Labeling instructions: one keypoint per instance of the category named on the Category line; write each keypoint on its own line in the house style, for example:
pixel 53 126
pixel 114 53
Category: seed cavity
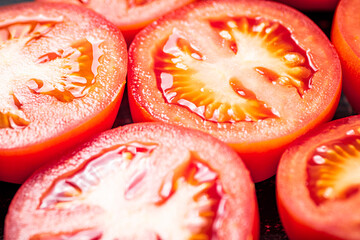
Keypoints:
pixel 333 172
pixel 215 89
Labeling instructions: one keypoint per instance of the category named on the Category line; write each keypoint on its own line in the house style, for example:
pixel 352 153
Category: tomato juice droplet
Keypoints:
pixel 71 186
pixel 186 77
pixel 333 171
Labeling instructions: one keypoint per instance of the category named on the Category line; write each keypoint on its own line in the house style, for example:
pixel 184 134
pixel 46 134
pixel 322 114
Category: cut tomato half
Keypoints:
pixel 63 73
pixel 255 74
pixel 318 183
pixel 345 35
pixel 129 15
pixel 141 181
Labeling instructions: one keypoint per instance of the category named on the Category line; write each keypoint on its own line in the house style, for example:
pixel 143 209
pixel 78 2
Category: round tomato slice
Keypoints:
pixel 344 36
pixel 255 74
pixel 318 183
pixel 129 15
pixel 141 181
pixel 312 5
pixel 62 73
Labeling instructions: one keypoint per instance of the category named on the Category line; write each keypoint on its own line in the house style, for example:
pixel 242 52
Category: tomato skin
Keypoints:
pixel 241 222
pixel 132 20
pixel 343 36
pixel 54 129
pixel 261 150
pixel 301 217
pixel 308 5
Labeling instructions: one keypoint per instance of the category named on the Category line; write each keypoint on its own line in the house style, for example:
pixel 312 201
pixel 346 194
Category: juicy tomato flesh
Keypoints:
pixel 209 89
pixel 76 74
pixel 344 35
pixel 140 187
pixel 324 191
pixel 194 181
pixel 56 89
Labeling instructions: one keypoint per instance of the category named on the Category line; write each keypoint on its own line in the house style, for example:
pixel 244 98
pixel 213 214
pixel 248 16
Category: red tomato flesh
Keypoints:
pixel 255 74
pixel 345 36
pixel 318 183
pixel 141 181
pixel 129 15
pixel 63 74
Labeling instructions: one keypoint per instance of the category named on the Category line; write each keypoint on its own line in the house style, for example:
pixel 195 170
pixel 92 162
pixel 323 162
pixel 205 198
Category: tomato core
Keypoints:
pixel 332 172
pixel 213 89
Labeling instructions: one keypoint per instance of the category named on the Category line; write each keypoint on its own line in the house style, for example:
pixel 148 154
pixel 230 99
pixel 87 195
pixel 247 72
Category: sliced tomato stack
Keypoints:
pixel 144 181
pixel 255 74
pixel 130 15
pixel 318 183
pixel 62 78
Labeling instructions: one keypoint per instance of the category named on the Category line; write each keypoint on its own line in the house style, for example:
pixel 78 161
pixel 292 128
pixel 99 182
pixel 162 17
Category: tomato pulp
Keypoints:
pixel 345 35
pixel 255 74
pixel 141 181
pixel 63 73
pixel 318 183
pixel 129 15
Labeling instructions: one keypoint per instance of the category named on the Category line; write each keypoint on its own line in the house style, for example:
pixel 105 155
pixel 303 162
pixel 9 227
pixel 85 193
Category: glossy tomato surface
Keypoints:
pixel 345 36
pixel 318 183
pixel 255 74
pixel 62 73
pixel 144 181
pixel 312 5
pixel 129 15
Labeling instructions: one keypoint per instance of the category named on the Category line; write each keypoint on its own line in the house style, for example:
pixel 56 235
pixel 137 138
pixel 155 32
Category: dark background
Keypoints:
pixel 270 224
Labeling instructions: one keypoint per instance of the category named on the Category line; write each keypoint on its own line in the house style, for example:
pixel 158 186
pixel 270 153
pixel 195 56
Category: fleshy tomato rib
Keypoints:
pixel 255 74
pixel 318 183
pixel 63 73
pixel 141 181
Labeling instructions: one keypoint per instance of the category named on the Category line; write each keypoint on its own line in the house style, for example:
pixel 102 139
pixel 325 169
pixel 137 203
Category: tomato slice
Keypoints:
pixel 63 73
pixel 344 36
pixel 312 5
pixel 141 181
pixel 256 74
pixel 129 15
pixel 318 183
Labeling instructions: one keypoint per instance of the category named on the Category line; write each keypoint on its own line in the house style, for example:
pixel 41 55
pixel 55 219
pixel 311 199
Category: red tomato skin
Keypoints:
pixel 17 163
pixel 129 23
pixel 308 5
pixel 261 163
pixel 24 205
pixel 300 217
pixel 348 53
